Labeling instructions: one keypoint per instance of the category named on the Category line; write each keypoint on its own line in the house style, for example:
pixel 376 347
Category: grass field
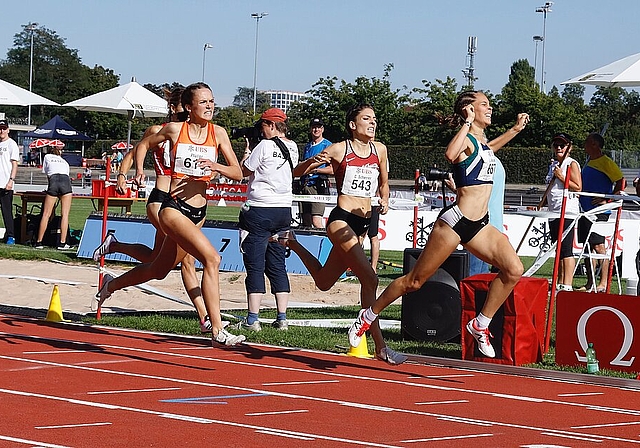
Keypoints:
pixel 303 337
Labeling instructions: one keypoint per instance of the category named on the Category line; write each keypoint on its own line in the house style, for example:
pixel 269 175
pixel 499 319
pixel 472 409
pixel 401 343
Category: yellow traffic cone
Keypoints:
pixel 361 351
pixel 55 308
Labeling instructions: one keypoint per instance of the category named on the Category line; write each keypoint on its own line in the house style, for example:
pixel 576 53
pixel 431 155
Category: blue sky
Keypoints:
pixel 301 41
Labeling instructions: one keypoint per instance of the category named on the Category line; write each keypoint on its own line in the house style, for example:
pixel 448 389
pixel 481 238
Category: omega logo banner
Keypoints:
pixel 606 320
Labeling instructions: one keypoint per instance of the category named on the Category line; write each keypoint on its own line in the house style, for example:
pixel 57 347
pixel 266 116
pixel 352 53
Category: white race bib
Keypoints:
pixel 187 156
pixel 488 166
pixel 360 181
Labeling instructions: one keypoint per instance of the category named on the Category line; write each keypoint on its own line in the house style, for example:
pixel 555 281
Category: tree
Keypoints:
pixel 244 100
pixel 331 100
pixel 58 74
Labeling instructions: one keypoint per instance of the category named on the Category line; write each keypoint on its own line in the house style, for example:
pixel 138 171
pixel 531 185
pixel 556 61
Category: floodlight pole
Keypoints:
pixel 544 10
pixel 257 16
pixel 536 39
pixel 31 27
pixel 204 54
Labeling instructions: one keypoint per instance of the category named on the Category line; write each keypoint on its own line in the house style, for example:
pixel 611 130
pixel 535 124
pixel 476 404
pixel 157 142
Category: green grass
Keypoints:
pixel 326 339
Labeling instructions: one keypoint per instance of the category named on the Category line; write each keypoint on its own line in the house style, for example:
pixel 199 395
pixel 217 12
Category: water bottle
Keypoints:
pixel 592 361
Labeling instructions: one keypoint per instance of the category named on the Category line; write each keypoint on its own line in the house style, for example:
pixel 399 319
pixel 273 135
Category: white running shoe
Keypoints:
pixel 482 338
pixel 225 338
pixel 391 356
pixel 103 248
pixel 357 329
pixel 104 293
pixel 205 325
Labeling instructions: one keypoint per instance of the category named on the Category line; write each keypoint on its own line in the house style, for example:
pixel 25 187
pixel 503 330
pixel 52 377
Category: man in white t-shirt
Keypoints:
pixel 9 157
pixel 267 212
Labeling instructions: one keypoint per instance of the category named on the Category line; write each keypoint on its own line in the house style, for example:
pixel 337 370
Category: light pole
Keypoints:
pixel 536 39
pixel 31 27
pixel 544 10
pixel 204 54
pixel 257 16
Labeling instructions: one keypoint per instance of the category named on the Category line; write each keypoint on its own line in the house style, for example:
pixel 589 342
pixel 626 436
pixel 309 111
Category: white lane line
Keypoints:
pixel 299 411
pixel 212 359
pixel 55 352
pixel 443 402
pixel 436 439
pixel 435 377
pixel 519 398
pixel 607 425
pixel 79 425
pixel 466 421
pixel 192 419
pixel 571 436
pixel 279 434
pixel 300 382
pixel 584 394
pixel 32 443
pixel 159 389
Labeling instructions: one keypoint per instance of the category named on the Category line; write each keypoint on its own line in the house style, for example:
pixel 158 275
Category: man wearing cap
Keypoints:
pixel 599 175
pixel 267 212
pixel 9 157
pixel 317 181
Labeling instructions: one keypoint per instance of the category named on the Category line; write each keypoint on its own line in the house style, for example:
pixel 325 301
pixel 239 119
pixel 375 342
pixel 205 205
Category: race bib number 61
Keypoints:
pixel 187 156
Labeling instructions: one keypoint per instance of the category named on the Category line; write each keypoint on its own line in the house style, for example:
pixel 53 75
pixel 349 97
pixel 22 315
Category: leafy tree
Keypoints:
pixel 331 100
pixel 244 100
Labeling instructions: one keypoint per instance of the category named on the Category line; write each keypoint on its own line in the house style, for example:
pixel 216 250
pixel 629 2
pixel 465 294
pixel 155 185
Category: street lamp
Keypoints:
pixel 204 54
pixel 544 10
pixel 31 27
pixel 257 16
pixel 536 39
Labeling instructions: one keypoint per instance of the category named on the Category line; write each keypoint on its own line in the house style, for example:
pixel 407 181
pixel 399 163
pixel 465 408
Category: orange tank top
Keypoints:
pixel 185 154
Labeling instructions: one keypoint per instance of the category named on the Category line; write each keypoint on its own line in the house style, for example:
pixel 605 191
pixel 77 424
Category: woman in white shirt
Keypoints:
pixel 59 186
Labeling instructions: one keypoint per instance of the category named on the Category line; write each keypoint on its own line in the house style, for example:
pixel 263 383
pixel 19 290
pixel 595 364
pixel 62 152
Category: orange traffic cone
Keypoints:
pixel 55 308
pixel 361 351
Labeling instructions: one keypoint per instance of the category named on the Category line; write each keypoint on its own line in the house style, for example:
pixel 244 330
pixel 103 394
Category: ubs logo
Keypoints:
pixel 626 342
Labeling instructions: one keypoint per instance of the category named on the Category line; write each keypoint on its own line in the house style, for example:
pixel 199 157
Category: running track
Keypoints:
pixel 71 385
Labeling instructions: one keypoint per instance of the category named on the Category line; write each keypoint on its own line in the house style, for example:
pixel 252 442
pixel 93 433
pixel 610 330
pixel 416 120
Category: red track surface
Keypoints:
pixel 70 385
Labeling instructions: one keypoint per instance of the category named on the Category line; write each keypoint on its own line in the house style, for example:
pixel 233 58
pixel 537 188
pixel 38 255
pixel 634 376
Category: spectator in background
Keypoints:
pixel 9 158
pixel 316 182
pixel 561 144
pixel 267 212
pixel 59 186
pixel 599 175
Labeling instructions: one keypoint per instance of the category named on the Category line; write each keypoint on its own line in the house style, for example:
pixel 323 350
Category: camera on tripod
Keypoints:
pixel 436 174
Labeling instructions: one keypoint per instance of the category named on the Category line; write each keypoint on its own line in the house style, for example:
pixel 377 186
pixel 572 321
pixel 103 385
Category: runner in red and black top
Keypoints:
pixel 360 167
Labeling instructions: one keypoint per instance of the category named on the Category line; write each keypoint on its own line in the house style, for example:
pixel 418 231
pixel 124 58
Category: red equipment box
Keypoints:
pixel 518 326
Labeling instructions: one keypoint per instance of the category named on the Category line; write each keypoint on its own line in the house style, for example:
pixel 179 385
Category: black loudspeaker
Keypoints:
pixel 433 313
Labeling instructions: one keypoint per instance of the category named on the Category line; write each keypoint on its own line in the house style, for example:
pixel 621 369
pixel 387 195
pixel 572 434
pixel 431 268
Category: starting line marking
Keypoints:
pixel 435 439
pixel 79 425
pixel 584 394
pixel 300 382
pixel 443 402
pixel 160 389
pixel 299 411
